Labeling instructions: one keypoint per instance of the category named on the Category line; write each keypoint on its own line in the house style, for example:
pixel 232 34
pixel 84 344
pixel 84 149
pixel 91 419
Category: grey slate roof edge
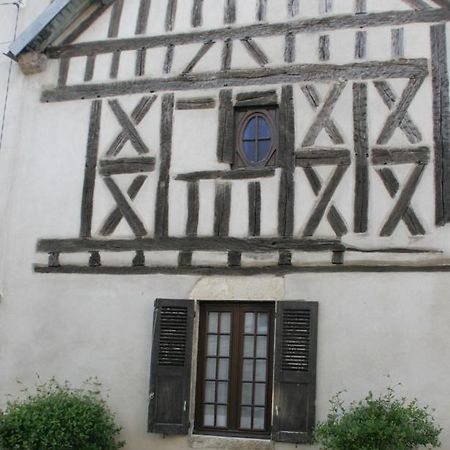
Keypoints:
pixel 49 25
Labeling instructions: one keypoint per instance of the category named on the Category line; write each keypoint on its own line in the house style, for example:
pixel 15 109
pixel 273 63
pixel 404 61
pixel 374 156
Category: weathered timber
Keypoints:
pixel 90 169
pixel 286 159
pixel 289 47
pixel 322 157
pixel 234 259
pixel 398 43
pixel 115 61
pixel 162 194
pixel 409 217
pixel 95 260
pixel 407 125
pixel 361 7
pixel 222 209
pixel 171 13
pixel 314 100
pixel 284 258
pixel 418 155
pixel 398 113
pixel 324 200
pixel 64 65
pixel 223 244
pixel 322 24
pixel 230 11
pixel 254 209
pixel 261 10
pixel 225 133
pixel 137 115
pixel 185 259
pixel 196 103
pixel 141 55
pixel 293 7
pixel 227 52
pixel 337 257
pixel 403 202
pixel 116 15
pixel 257 98
pixel 168 59
pixel 53 259
pixel 89 70
pixel 237 174
pixel 139 259
pixel 441 122
pixel 247 271
pixel 127 211
pixel 128 127
pixel 324 47
pixel 198 56
pixel 361 146
pixel 255 51
pixel 126 165
pixel 325 6
pixel 417 4
pixel 245 77
pixel 322 119
pixel 197 13
pixel 361 45
pixel 193 209
pixel 142 19
pixel 114 218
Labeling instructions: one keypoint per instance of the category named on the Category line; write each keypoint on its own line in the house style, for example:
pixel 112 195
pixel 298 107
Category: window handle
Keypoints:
pixel 277 410
pixel 151 396
pixel 185 406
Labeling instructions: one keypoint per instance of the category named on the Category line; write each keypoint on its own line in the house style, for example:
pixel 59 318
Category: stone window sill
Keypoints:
pixel 229 443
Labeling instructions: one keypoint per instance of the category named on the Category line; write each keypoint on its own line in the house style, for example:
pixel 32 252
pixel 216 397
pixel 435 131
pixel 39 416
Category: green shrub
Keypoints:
pixel 377 423
pixel 59 417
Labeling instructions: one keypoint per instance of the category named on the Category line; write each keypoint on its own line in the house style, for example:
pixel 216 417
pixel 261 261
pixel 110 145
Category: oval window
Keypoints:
pixel 256 138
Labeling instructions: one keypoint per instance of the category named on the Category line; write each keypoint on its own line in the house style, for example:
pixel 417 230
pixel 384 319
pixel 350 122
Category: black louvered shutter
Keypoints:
pixel 295 371
pixel 170 373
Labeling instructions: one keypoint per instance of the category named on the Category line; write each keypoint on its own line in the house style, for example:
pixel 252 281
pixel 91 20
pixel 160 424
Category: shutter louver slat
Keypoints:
pixel 295 371
pixel 170 374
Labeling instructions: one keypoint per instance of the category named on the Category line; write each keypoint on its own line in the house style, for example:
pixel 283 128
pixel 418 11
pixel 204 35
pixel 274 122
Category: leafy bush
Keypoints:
pixel 377 423
pixel 59 417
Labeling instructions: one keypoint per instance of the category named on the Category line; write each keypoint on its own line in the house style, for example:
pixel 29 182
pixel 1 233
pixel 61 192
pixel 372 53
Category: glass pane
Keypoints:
pixel 222 392
pixel 260 394
pixel 246 417
pixel 249 344
pixel 263 128
pixel 211 369
pixel 263 323
pixel 261 346
pixel 249 327
pixel 250 150
pixel 250 129
pixel 223 369
pixel 212 322
pixel 210 392
pixel 246 393
pixel 247 370
pixel 208 416
pixel 260 371
pixel 212 346
pixel 258 419
pixel 224 348
pixel 263 149
pixel 222 416
pixel 225 322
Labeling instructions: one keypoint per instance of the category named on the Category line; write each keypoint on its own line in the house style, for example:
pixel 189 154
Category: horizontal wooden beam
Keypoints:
pixel 126 165
pixel 238 174
pixel 405 68
pixel 322 157
pixel 187 244
pixel 418 155
pixel 196 103
pixel 327 23
pixel 241 270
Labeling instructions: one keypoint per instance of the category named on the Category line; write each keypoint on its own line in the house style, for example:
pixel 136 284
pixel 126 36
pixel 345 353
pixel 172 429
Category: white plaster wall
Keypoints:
pixel 74 326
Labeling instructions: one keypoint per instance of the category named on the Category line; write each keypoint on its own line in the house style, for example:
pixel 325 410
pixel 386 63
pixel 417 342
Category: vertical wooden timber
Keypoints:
pixel 142 20
pixel 162 194
pixel 287 163
pixel 361 7
pixel 168 59
pixel 171 14
pixel 289 48
pixel 361 45
pixel 197 13
pixel 64 64
pixel 90 66
pixel 261 10
pixel 226 54
pixel 222 209
pixel 441 118
pixel 397 43
pixel 361 143
pixel 114 23
pixel 324 47
pixel 185 258
pixel 293 7
pixel 225 144
pixel 254 209
pixel 230 11
pixel 90 169
pixel 325 6
pixel 115 61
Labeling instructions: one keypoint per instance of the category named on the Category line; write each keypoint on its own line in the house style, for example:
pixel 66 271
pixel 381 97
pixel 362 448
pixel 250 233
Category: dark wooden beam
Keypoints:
pixel 238 174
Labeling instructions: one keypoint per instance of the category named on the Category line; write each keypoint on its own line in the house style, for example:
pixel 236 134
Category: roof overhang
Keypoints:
pixel 50 24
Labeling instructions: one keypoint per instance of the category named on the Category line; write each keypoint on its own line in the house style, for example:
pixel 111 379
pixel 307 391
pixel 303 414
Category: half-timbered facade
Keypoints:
pixel 280 167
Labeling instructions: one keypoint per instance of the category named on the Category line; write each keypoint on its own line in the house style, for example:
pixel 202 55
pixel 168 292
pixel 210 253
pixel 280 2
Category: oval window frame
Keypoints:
pixel 246 117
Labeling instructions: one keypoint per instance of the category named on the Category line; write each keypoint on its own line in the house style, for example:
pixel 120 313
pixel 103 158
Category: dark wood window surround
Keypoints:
pixel 235 364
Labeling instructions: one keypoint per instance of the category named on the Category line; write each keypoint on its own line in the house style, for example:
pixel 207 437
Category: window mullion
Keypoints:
pixel 235 367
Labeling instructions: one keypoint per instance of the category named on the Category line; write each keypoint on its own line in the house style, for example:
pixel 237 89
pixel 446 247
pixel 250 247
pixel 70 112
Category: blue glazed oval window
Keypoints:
pixel 256 139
